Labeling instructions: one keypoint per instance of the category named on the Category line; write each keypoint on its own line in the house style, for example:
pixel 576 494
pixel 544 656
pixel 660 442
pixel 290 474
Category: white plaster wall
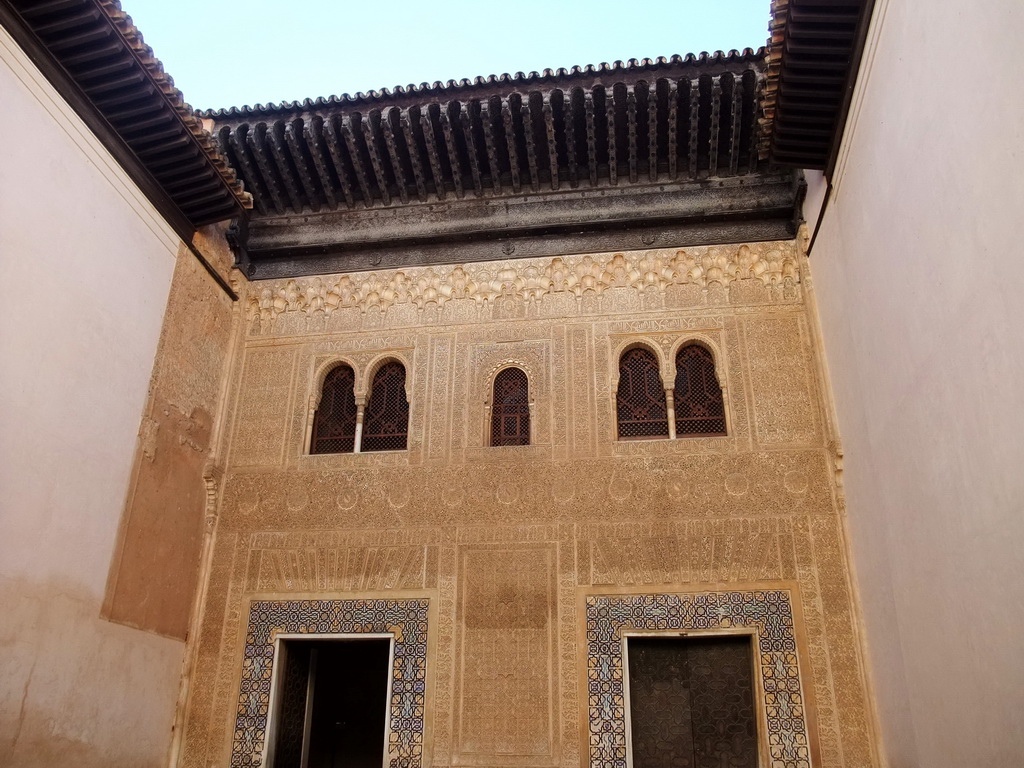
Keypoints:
pixel 85 268
pixel 920 288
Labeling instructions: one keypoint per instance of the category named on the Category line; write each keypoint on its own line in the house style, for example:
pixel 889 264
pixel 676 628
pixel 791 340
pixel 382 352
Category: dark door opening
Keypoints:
pixel 331 706
pixel 691 702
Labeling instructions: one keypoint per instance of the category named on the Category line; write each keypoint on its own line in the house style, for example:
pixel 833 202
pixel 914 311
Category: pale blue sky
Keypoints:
pixel 231 52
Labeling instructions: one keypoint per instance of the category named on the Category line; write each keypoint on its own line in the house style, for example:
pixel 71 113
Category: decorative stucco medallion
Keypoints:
pixel 736 483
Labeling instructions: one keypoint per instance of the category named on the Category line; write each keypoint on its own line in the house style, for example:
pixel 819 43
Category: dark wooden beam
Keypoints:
pixel 716 123
pixel 432 154
pixel 508 120
pixel 673 130
pixel 373 148
pixel 552 141
pixel 391 144
pixel 494 170
pixel 531 148
pixel 569 128
pixel 415 156
pixel 694 104
pixel 453 154
pixel 314 140
pixel 348 133
pixel 334 149
pixel 631 123
pixel 588 102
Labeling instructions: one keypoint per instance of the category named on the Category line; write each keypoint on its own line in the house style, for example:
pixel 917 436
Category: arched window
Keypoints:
pixel 641 397
pixel 334 424
pixel 386 423
pixel 698 395
pixel 510 408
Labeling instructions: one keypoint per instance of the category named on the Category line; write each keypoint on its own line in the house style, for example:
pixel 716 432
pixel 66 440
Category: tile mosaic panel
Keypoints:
pixel 769 613
pixel 405 619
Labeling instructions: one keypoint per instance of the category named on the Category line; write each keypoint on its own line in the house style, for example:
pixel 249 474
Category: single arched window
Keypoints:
pixel 640 400
pixel 698 395
pixel 334 424
pixel 386 423
pixel 510 408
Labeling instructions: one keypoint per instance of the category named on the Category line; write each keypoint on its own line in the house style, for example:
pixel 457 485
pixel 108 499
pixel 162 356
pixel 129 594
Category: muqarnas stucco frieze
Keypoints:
pixel 564 286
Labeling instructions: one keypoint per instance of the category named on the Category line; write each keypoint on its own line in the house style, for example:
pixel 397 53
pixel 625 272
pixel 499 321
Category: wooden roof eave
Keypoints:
pixel 812 59
pixel 93 55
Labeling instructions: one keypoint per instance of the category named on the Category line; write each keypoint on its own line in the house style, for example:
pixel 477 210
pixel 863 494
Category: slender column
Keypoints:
pixel 314 403
pixel 488 423
pixel 360 411
pixel 670 402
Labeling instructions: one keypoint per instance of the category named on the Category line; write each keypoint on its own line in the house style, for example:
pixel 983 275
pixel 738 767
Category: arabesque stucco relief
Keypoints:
pixel 506 543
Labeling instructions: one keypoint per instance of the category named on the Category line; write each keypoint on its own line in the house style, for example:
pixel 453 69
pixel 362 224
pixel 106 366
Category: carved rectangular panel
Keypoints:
pixel 438 439
pixel 262 410
pixel 341 569
pixel 695 551
pixel 581 391
pixel 780 377
pixel 507 668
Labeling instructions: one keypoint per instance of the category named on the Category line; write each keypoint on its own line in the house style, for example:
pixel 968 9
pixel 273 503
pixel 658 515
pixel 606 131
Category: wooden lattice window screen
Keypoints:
pixel 700 410
pixel 640 401
pixel 386 423
pixel 334 424
pixel 510 408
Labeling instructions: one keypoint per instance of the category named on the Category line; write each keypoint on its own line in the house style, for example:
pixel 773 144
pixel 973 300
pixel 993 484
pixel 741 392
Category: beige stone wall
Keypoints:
pixel 916 265
pixel 87 264
pixel 505 543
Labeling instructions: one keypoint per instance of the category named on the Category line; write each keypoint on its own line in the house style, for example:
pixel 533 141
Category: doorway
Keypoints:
pixel 691 702
pixel 331 701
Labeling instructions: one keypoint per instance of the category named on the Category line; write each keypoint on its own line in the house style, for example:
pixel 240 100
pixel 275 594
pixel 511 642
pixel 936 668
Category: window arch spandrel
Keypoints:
pixel 510 408
pixel 386 419
pixel 334 423
pixel 640 400
pixel 697 395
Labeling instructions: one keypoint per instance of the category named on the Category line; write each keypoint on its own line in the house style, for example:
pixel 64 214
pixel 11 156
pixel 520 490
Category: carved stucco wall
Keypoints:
pixel 506 543
pixel 156 560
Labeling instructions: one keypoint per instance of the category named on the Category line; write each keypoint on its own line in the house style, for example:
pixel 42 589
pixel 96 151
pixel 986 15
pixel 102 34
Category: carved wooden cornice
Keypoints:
pixel 526 166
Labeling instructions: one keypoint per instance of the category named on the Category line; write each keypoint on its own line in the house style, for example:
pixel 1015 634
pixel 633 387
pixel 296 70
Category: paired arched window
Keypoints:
pixel 386 424
pixel 696 408
pixel 510 408
pixel 640 401
pixel 334 425
pixel 385 418
pixel 699 407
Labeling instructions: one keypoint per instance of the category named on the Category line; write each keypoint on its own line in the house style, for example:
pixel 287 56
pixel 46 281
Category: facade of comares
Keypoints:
pixel 515 552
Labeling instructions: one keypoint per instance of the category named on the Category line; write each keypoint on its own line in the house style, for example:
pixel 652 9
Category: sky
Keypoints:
pixel 225 53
